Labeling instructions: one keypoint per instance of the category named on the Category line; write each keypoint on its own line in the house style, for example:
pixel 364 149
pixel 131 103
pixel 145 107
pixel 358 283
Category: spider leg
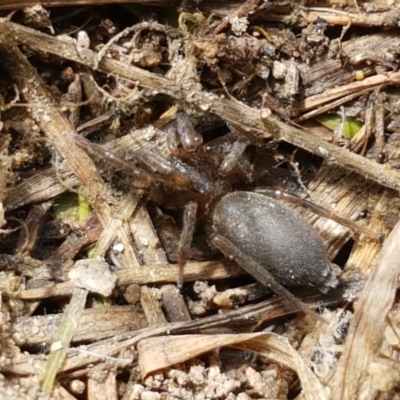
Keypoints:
pixel 141 177
pixel 232 158
pixel 185 240
pixel 260 273
pixel 152 167
pixel 189 138
pixel 157 164
pixel 322 211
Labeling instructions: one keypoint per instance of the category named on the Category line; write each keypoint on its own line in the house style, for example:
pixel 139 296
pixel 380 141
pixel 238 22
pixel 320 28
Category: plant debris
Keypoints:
pixel 121 123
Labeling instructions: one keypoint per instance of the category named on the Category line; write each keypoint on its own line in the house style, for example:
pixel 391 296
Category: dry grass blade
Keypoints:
pixel 94 324
pixel 60 346
pixel 337 17
pixel 104 388
pixel 367 327
pixel 392 78
pixel 5 175
pixel 108 235
pixel 162 352
pixel 146 274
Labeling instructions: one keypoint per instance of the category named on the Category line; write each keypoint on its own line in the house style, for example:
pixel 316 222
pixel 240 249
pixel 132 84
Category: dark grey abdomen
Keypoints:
pixel 274 236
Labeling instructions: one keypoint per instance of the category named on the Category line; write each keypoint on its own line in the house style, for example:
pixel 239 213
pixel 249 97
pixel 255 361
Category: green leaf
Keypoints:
pixel 72 207
pixel 331 121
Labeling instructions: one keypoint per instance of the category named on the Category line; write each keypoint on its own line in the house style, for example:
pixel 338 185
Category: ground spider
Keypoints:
pixel 266 238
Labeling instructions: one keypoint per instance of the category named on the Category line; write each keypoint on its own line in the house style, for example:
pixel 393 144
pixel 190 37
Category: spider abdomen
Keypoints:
pixel 276 238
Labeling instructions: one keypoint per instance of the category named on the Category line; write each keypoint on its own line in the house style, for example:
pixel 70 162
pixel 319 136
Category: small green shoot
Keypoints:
pixel 331 121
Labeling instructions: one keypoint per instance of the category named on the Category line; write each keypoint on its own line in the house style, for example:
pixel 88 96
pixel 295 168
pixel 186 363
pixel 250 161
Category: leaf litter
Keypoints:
pixel 116 74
